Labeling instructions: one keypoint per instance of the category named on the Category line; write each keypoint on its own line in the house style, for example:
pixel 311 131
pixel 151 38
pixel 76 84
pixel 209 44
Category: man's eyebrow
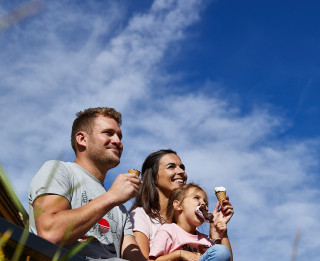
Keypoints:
pixel 112 130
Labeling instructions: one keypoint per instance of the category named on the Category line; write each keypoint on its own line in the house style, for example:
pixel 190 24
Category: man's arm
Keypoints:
pixel 130 249
pixel 54 217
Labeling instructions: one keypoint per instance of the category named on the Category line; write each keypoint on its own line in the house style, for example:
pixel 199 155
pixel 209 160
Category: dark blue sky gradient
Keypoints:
pixel 263 52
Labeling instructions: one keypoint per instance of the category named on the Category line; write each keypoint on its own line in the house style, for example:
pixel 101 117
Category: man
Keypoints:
pixel 68 202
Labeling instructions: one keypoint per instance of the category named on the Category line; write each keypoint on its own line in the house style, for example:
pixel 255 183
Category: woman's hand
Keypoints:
pixel 225 213
pixel 177 256
pixel 221 228
pixel 186 256
pixel 218 228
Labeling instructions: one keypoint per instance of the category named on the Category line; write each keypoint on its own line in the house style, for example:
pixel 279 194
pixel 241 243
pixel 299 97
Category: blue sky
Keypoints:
pixel 232 86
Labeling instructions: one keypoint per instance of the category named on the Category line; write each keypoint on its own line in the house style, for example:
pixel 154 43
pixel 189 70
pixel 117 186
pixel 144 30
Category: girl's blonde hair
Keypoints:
pixel 179 194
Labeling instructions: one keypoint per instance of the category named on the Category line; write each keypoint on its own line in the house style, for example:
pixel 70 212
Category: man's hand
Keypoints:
pixel 125 187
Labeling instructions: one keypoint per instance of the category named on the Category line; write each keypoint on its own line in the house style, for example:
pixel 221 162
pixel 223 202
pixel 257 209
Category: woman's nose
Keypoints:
pixel 181 170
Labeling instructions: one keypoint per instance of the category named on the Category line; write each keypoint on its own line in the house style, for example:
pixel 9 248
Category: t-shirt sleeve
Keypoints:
pixel 162 243
pixel 52 178
pixel 140 222
pixel 127 228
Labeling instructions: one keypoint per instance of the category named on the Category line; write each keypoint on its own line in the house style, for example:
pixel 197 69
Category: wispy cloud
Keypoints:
pixel 73 56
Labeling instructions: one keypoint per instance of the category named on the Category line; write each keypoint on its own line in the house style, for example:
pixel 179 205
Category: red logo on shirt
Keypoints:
pixel 104 225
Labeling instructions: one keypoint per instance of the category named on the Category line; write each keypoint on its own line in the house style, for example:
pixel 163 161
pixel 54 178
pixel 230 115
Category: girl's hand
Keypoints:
pixel 186 256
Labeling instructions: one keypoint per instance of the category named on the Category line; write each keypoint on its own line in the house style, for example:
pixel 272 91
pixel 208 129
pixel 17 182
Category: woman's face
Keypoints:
pixel 171 174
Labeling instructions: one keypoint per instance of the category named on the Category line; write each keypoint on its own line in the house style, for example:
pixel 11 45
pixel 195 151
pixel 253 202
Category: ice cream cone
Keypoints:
pixel 135 171
pixel 221 194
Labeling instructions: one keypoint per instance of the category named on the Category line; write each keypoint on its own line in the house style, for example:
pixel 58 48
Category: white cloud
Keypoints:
pixel 69 58
pixel 265 177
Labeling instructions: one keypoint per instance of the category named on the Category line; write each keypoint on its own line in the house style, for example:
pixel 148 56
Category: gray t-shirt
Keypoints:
pixel 79 187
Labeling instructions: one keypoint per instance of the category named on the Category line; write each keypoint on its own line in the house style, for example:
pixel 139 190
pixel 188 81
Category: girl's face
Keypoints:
pixel 171 174
pixel 194 198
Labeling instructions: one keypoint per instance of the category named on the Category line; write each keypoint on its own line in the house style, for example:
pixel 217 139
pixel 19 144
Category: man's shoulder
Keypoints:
pixel 52 169
pixel 56 163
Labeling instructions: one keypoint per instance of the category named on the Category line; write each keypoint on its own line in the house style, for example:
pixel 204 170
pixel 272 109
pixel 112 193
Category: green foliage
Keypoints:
pixel 19 249
pixel 3 240
pixel 13 196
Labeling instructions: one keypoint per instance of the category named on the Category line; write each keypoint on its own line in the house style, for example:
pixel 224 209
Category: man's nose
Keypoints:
pixel 116 139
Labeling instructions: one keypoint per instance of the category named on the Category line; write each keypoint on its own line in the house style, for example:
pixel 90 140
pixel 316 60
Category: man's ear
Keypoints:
pixel 81 138
pixel 177 205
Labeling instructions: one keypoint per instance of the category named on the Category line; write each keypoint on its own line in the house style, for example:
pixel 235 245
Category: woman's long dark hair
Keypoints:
pixel 148 196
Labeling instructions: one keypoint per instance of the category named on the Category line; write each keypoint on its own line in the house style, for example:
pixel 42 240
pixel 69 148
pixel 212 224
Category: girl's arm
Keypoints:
pixel 178 255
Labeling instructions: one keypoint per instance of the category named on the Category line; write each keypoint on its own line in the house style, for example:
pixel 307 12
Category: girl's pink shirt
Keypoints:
pixel 171 237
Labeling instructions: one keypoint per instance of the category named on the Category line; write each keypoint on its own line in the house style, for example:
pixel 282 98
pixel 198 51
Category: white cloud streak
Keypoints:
pixel 71 57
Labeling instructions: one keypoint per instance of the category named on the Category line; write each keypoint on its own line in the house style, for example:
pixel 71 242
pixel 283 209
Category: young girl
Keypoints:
pixel 180 240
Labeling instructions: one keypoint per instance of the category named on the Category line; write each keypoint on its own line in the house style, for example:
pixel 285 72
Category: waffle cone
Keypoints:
pixel 221 195
pixel 134 171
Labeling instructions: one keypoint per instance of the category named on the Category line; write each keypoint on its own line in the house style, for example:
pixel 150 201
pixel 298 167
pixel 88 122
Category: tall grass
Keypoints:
pixel 295 246
pixel 3 240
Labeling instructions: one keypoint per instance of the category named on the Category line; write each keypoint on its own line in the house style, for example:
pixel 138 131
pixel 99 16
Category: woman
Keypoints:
pixel 162 172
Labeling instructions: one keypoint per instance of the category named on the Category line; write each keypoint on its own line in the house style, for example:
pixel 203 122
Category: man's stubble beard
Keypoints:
pixel 104 158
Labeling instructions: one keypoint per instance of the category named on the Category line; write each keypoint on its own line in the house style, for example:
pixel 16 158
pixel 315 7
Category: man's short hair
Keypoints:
pixel 85 121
